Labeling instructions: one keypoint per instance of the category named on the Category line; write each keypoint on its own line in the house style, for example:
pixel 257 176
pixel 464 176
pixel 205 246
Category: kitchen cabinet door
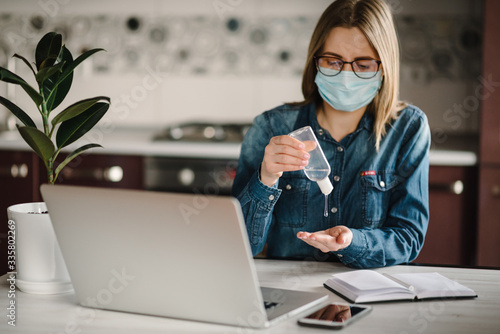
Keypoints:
pixel 21 174
pixel 490 108
pixel 110 171
pixel 19 184
pixel 488 244
pixel 450 238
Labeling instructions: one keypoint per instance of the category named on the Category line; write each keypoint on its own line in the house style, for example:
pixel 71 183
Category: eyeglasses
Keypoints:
pixel 363 68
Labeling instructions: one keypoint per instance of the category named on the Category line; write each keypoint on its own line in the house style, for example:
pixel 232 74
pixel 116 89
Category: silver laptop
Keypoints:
pixel 183 256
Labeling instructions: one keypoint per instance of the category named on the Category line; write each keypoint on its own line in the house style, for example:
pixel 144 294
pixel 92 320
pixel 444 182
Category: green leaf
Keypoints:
pixel 71 67
pixel 73 155
pixel 57 94
pixel 72 129
pixel 48 50
pixel 8 76
pixel 50 61
pixel 18 112
pixel 38 141
pixel 77 108
pixel 26 62
pixel 47 72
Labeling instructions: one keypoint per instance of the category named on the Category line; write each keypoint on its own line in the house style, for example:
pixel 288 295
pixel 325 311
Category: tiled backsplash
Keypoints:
pixel 194 45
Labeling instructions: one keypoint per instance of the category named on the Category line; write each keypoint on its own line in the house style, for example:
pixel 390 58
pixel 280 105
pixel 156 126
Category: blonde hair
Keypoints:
pixel 374 19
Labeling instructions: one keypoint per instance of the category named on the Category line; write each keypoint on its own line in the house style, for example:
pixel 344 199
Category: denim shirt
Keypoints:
pixel 381 196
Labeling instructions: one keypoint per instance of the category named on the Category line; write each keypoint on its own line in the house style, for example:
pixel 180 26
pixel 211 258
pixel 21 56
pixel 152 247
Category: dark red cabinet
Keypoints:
pixel 488 241
pixel 451 236
pixel 21 175
pixel 488 250
pixel 110 171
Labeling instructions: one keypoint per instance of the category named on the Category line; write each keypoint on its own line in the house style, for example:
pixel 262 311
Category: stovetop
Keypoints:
pixel 204 132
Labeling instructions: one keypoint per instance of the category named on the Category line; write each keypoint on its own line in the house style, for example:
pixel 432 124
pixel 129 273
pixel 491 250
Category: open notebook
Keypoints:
pixel 365 286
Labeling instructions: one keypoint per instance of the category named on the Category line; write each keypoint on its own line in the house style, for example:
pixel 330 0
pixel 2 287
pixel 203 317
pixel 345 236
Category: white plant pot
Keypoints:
pixel 39 263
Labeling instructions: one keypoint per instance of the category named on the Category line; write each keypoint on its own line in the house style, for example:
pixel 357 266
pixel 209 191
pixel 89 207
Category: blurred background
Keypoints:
pixel 230 60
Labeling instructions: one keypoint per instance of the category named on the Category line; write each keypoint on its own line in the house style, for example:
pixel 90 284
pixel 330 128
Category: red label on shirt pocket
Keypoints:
pixel 368 172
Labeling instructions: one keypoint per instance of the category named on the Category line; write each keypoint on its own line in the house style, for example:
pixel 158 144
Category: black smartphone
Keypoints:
pixel 335 316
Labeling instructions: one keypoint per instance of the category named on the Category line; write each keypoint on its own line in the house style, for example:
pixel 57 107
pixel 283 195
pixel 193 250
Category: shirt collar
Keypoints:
pixel 366 122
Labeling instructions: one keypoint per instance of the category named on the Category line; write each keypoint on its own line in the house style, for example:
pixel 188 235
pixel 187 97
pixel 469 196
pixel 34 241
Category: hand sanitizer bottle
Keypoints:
pixel 318 167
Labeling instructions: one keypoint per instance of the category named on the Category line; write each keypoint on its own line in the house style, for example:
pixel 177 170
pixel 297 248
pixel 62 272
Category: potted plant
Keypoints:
pixel 35 239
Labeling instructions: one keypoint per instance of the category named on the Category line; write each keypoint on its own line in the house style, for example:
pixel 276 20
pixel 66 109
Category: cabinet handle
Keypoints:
pixel 15 171
pixel 495 190
pixel 113 174
pixel 109 174
pixel 456 187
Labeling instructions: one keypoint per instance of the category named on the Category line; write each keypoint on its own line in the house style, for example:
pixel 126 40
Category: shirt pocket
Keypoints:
pixel 377 190
pixel 291 208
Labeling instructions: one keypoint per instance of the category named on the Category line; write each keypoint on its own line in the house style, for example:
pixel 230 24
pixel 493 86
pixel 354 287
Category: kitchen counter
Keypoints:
pixel 135 142
pixel 138 141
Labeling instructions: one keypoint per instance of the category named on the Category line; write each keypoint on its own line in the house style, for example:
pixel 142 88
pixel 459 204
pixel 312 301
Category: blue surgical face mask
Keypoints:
pixel 347 92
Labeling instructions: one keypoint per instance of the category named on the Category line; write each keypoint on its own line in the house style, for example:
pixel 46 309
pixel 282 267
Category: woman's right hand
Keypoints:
pixel 282 154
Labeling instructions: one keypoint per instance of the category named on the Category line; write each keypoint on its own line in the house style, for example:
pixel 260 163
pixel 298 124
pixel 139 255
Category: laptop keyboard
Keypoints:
pixel 270 305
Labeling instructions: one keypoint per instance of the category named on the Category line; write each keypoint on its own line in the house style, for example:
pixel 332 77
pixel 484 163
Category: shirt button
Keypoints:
pixel 334 210
pixel 340 255
pixel 321 132
pixel 382 184
pixel 288 187
pixel 271 197
pixel 340 149
pixel 336 178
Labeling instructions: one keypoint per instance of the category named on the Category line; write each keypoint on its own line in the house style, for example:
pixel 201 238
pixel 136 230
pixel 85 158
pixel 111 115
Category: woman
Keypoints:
pixel 377 148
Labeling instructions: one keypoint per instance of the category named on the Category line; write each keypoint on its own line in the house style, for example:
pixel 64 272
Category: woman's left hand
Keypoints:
pixel 330 240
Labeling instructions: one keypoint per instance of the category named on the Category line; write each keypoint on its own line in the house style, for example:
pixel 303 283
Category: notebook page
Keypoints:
pixel 429 285
pixel 366 280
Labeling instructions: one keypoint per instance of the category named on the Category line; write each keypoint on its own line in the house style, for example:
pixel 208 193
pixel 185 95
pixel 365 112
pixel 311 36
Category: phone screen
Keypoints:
pixel 335 315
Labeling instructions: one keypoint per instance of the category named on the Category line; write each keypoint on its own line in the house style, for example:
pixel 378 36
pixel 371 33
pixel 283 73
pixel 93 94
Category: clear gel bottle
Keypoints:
pixel 318 167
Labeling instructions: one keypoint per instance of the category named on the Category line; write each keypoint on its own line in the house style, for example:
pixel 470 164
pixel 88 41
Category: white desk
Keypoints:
pixel 60 314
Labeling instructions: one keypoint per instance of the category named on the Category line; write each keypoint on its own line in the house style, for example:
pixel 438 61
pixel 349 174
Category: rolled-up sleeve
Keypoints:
pixel 257 199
